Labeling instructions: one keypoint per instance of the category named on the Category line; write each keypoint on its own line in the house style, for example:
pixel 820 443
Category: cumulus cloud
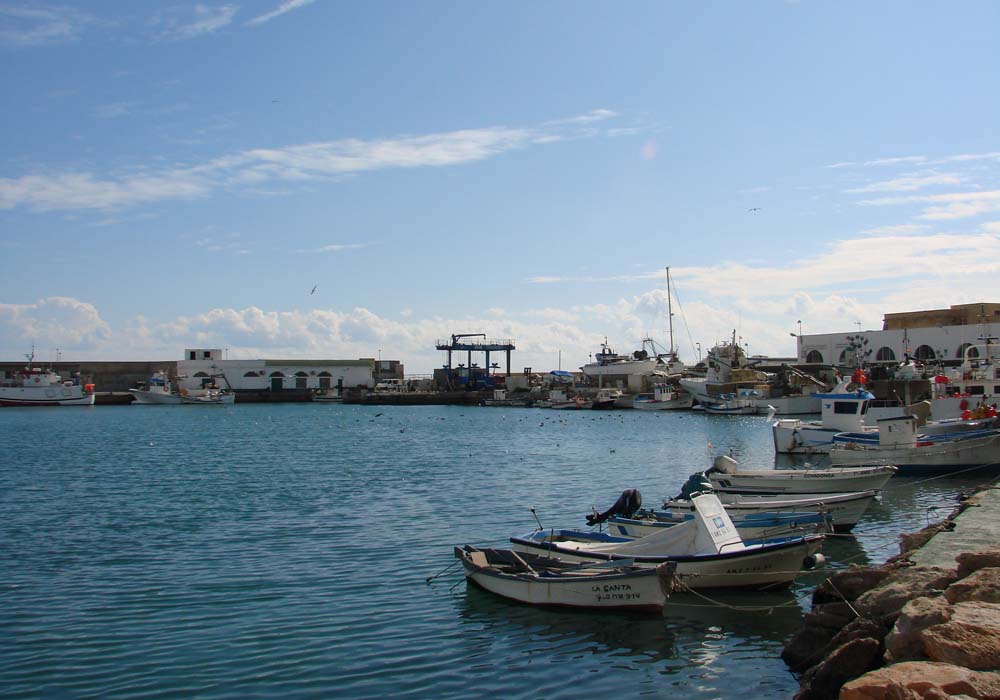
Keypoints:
pixel 52 322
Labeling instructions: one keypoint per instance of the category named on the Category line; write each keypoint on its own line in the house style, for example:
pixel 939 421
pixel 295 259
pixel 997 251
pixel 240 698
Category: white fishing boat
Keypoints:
pixel 727 372
pixel 959 390
pixel 328 396
pixel 899 442
pixel 725 476
pixel 753 525
pixel 542 580
pixel 665 397
pixel 37 386
pixel 606 399
pixel 847 409
pixel 708 550
pixel 560 400
pixel 742 402
pixel 157 390
pixel 649 361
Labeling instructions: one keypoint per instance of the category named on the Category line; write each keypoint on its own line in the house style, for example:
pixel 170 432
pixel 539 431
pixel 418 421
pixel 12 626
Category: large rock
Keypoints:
pixel 904 642
pixel 884 603
pixel 968 562
pixel 823 682
pixel 850 583
pixel 808 645
pixel 983 585
pixel 970 638
pixel 922 679
pixel 915 540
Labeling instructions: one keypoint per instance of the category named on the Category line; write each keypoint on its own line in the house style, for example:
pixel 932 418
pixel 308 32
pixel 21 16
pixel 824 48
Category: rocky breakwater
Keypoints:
pixel 925 625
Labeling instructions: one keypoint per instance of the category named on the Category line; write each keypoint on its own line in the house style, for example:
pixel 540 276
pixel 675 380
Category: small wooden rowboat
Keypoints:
pixel 541 580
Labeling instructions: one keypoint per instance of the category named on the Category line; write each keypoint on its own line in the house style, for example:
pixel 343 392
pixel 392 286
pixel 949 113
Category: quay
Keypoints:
pixel 924 625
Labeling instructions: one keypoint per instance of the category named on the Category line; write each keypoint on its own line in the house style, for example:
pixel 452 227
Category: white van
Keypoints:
pixel 388 386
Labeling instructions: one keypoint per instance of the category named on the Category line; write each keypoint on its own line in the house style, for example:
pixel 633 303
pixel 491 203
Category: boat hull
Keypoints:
pixel 759 566
pixel 802 481
pixel 45 396
pixel 936 457
pixel 616 588
pixel 155 398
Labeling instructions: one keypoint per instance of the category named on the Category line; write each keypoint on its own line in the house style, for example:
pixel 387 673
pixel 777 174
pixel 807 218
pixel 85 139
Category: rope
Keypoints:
pixel 441 572
pixel 729 606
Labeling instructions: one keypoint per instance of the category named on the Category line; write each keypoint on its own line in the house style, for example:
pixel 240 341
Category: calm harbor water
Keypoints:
pixel 283 550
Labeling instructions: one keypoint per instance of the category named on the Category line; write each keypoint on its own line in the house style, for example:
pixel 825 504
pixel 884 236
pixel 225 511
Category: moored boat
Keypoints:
pixel 707 549
pixel 36 386
pixel 899 442
pixel 725 476
pixel 665 397
pixel 540 580
pixel 157 390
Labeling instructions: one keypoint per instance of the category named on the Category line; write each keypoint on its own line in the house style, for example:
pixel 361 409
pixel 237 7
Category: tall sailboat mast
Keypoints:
pixel 670 314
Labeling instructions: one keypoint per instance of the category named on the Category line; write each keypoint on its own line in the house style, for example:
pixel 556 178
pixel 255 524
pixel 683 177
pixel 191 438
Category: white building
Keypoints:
pixel 201 366
pixel 932 337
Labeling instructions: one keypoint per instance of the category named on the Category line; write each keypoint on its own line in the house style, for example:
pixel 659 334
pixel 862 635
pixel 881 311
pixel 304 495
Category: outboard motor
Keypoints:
pixel 696 483
pixel 627 504
pixel 724 464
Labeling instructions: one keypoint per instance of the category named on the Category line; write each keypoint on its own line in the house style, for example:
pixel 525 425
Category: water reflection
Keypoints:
pixel 694 630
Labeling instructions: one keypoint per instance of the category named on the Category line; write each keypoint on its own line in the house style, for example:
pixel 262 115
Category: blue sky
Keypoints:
pixel 182 175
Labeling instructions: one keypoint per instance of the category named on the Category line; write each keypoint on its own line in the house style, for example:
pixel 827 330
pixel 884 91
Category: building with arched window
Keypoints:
pixel 937 337
pixel 274 375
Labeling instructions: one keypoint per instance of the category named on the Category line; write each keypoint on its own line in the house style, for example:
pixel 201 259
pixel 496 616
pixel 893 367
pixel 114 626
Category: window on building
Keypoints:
pixel 814 357
pixel 251 373
pixel 972 350
pixel 200 374
pixel 301 378
pixel 324 380
pixel 925 352
pixel 885 354
pixel 207 355
pixel 975 389
pixel 192 355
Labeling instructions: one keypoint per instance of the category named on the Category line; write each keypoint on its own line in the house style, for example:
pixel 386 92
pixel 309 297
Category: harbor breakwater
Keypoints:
pixel 926 624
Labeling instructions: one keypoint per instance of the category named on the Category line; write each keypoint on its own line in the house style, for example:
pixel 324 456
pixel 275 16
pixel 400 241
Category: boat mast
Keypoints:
pixel 670 314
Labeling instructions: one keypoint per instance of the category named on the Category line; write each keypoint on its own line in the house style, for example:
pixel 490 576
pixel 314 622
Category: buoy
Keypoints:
pixel 813 560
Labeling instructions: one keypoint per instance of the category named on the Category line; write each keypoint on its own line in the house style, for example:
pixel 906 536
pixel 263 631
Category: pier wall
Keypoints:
pixel 927 620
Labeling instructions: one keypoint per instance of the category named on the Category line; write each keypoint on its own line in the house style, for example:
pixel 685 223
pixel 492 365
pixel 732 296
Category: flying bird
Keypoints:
pixel 754 209
pixel 314 289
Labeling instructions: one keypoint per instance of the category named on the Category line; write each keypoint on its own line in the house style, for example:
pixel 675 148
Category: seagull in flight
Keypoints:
pixel 752 209
pixel 314 289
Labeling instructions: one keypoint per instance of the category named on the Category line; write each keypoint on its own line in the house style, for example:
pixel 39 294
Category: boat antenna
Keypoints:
pixel 536 518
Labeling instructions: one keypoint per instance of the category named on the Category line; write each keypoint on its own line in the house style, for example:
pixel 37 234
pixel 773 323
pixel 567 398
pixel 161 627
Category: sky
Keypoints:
pixel 334 180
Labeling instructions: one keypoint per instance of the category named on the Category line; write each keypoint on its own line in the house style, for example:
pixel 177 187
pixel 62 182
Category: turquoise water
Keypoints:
pixel 283 550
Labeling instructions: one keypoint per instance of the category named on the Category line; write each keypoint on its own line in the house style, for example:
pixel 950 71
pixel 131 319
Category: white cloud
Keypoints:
pixel 291 164
pixel 37 24
pixel 958 205
pixel 909 183
pixel 897 230
pixel 286 6
pixel 114 109
pixel 179 24
pixel 335 248
pixel 896 161
pixel 53 322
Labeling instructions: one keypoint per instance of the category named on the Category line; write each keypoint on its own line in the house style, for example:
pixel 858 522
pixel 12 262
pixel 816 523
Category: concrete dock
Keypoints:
pixel 977 528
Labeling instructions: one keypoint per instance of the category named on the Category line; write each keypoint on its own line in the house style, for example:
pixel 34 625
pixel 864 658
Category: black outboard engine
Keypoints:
pixel 627 504
pixel 696 483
